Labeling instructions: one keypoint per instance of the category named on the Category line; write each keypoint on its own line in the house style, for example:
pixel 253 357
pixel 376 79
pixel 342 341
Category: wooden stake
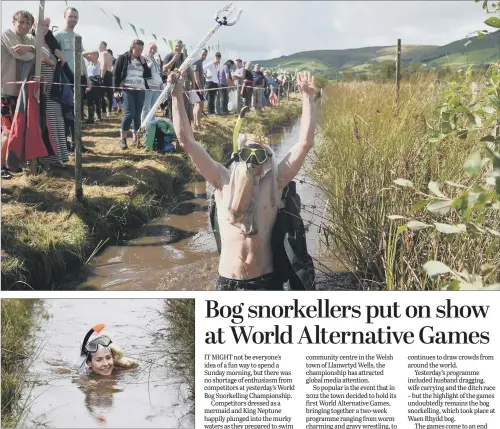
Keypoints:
pixel 239 102
pixel 398 78
pixel 78 119
pixel 38 63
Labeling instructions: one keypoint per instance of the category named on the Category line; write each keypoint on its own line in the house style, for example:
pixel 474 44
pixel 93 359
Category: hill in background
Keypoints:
pixel 361 60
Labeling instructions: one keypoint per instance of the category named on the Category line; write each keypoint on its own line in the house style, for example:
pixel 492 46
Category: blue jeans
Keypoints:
pixel 149 101
pixel 132 104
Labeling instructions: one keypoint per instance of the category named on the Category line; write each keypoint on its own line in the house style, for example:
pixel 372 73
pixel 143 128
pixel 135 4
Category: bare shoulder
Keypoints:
pixel 224 178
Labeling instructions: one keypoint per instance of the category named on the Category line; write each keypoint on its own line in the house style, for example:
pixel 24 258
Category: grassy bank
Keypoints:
pixel 17 322
pixel 362 149
pixel 46 232
pixel 180 315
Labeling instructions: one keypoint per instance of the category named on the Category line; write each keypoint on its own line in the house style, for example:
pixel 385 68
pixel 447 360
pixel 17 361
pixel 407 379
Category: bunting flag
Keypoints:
pixel 154 35
pixel 118 21
pixel 171 45
pixel 166 43
pixel 133 28
pixel 105 13
pixel 143 31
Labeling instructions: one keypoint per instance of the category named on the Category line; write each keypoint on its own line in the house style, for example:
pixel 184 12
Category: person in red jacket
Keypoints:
pixel 18 46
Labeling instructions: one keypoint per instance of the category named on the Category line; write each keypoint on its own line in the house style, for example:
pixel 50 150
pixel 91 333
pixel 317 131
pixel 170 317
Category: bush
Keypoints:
pixel 362 149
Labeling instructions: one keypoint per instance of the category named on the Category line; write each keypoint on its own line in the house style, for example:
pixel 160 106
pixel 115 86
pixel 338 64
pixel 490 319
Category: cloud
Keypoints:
pixel 269 29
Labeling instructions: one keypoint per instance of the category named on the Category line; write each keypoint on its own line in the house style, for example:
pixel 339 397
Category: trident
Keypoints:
pixel 222 18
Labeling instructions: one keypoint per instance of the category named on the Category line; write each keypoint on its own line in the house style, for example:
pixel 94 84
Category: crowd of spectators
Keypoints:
pixel 132 82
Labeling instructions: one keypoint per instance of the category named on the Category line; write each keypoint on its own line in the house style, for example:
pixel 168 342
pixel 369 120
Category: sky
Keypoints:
pixel 267 29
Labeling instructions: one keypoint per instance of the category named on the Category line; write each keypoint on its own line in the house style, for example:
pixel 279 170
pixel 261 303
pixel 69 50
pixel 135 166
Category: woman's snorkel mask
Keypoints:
pixel 89 347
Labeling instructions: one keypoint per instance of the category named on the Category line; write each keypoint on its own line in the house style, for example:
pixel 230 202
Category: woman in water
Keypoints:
pixel 100 355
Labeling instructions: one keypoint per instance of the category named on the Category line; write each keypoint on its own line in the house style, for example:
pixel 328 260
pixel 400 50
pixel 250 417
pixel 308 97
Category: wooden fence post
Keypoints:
pixel 398 78
pixel 78 119
pixel 239 103
pixel 38 63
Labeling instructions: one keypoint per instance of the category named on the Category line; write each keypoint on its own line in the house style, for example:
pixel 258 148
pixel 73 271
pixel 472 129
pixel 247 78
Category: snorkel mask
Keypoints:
pixel 89 347
pixel 245 182
pixel 253 154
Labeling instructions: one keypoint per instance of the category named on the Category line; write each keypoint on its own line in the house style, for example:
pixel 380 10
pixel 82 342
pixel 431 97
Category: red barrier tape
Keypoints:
pixel 117 87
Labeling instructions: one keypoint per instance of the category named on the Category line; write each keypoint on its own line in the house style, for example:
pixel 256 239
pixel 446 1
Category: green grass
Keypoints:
pixel 362 67
pixel 481 56
pixel 46 232
pixel 361 149
pixel 17 348
pixel 303 64
pixel 180 317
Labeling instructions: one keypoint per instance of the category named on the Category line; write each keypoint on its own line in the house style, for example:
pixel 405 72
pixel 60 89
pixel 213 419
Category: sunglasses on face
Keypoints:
pixel 93 345
pixel 256 156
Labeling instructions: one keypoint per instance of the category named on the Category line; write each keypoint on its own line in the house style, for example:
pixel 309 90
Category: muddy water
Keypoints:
pixel 177 251
pixel 147 397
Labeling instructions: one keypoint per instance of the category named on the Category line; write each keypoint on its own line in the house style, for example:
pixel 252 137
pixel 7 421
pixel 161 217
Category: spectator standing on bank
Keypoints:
pixel 225 81
pixel 117 94
pixel 106 64
pixel 113 59
pixel 258 80
pixel 54 110
pixel 247 90
pixel 132 71
pixel 155 83
pixel 199 84
pixel 95 94
pixel 18 47
pixel 66 38
pixel 212 73
pixel 239 74
pixel 172 61
pixel 267 89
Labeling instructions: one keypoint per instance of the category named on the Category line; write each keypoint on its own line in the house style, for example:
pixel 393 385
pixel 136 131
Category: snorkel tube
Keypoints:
pixel 236 132
pixel 96 328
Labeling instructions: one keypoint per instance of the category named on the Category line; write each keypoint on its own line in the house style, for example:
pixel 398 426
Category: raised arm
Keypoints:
pixel 294 159
pixel 103 59
pixel 212 171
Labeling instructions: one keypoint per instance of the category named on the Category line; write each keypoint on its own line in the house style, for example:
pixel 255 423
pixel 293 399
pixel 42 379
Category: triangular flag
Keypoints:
pixel 171 45
pixel 143 31
pixel 133 28
pixel 104 12
pixel 154 35
pixel 165 40
pixel 118 21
